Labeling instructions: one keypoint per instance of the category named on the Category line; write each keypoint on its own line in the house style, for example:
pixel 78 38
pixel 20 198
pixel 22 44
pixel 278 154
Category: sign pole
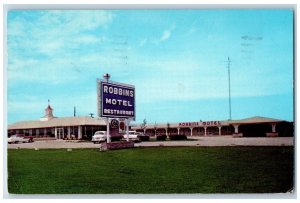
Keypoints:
pixel 107 131
pixel 127 129
pixel 106 77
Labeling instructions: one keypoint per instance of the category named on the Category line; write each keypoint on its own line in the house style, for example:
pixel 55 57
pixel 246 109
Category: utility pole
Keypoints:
pixel 229 92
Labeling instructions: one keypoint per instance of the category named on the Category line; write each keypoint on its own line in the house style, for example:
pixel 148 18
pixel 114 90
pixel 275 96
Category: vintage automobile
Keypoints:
pixel 136 136
pixel 99 136
pixel 133 135
pixel 19 138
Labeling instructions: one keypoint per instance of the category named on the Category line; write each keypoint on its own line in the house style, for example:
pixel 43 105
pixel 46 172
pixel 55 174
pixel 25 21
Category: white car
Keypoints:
pixel 99 136
pixel 133 135
pixel 17 138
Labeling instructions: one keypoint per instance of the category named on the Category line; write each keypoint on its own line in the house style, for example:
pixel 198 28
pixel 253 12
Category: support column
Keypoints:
pixel 236 128
pixel 236 131
pixel 55 133
pixel 273 127
pixel 191 131
pixel 166 131
pixel 205 128
pixel 219 130
pixel 79 133
pixel 36 132
pixel 30 132
pixel 45 132
pixel 273 133
pixel 69 132
pixel 178 131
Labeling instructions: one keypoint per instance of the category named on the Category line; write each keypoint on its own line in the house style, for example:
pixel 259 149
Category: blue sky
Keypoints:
pixel 175 58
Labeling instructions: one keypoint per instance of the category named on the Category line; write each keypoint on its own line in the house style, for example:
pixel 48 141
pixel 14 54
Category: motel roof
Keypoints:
pixel 251 120
pixel 57 122
pixel 256 119
pixel 86 120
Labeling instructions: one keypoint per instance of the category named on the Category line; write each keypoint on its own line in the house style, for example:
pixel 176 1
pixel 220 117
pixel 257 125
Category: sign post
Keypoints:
pixel 127 129
pixel 107 131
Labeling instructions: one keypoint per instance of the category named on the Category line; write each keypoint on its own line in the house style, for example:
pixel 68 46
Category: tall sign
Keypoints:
pixel 115 100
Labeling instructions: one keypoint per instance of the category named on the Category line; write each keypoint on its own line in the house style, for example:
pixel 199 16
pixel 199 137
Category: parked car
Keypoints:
pixel 99 136
pixel 19 138
pixel 133 135
pixel 142 137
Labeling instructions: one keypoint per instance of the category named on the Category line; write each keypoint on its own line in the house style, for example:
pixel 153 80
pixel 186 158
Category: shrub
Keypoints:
pixel 144 138
pixel 116 138
pixel 177 137
pixel 161 137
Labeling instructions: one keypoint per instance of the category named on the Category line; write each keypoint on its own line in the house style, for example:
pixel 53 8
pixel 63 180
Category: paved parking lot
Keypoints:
pixel 226 141
pixel 192 141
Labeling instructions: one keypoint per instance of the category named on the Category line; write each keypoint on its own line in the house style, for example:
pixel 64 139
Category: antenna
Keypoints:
pixel 229 91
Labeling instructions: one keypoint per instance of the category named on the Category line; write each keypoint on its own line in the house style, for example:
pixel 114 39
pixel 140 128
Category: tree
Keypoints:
pixel 155 128
pixel 144 125
pixel 168 128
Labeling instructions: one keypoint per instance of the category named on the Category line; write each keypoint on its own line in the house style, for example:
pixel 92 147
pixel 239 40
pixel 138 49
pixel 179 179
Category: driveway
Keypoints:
pixel 192 141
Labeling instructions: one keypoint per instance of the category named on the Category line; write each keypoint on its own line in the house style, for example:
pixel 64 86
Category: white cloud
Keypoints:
pixel 166 35
pixel 143 42
pixel 76 20
pixel 57 29
pixel 89 39
pixel 45 49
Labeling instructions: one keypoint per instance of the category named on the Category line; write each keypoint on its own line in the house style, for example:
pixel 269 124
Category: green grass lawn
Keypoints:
pixel 151 170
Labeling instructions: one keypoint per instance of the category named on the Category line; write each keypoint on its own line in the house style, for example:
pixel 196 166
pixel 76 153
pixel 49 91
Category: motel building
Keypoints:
pixel 249 127
pixel 83 127
pixel 49 126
